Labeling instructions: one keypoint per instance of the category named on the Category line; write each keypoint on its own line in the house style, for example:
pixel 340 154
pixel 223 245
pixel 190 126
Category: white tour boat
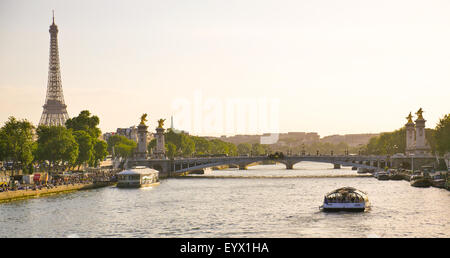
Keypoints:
pixel 345 199
pixel 138 177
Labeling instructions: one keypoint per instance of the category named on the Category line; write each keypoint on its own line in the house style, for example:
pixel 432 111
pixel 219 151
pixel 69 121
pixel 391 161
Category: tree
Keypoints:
pixel 171 150
pixel 244 148
pixel 121 146
pixel 232 149
pixel 85 122
pixel 257 149
pixel 100 152
pixel 85 147
pixel 56 144
pixel 16 142
pixel 219 147
pixel 151 145
pixel 442 135
pixel 125 150
pixel 387 143
pixel 175 138
pixel 112 142
pixel 187 145
pixel 202 145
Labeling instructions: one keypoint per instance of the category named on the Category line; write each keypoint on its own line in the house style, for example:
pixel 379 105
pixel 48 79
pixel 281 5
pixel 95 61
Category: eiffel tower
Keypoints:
pixel 55 112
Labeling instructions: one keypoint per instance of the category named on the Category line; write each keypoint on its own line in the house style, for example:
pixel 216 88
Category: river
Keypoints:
pixel 263 201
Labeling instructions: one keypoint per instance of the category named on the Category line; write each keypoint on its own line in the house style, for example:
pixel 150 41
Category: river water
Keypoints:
pixel 263 201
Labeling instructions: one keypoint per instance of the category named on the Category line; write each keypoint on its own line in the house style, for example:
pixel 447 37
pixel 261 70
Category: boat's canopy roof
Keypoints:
pixel 139 171
pixel 347 190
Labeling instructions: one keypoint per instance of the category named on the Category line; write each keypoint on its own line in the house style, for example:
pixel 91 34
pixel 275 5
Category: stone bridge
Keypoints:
pixel 182 165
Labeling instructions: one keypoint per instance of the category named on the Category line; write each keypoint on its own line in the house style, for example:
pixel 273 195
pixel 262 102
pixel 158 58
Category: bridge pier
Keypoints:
pixel 289 166
pixel 243 166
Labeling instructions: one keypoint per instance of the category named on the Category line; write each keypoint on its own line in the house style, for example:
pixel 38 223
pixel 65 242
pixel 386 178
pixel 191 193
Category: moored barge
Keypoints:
pixel 138 177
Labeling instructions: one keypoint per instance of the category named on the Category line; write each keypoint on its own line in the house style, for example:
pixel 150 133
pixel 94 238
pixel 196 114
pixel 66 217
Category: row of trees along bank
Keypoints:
pixel 314 148
pixel 72 146
pixel 184 145
pixel 395 142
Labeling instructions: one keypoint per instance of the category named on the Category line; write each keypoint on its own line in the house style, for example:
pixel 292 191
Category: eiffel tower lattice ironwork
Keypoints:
pixel 55 112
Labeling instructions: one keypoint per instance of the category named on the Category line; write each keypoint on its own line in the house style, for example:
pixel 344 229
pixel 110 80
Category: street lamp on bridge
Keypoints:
pixel 412 162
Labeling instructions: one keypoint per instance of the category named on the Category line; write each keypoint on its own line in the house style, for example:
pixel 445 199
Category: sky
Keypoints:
pixel 326 66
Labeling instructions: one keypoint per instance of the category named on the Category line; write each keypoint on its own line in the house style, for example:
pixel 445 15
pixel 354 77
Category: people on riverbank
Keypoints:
pixel 58 179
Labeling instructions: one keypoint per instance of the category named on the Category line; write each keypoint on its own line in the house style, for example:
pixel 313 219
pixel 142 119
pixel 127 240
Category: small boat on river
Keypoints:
pixel 383 175
pixel 438 181
pixel 345 199
pixel 395 175
pixel 138 177
pixel 421 180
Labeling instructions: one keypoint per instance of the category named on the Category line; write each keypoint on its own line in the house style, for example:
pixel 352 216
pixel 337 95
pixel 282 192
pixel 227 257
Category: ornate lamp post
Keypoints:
pixel 412 162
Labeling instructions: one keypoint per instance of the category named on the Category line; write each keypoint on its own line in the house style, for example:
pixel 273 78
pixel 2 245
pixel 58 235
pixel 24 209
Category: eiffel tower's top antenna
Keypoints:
pixel 53 11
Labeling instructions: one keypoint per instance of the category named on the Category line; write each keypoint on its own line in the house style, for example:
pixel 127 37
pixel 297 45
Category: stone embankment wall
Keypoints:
pixel 20 194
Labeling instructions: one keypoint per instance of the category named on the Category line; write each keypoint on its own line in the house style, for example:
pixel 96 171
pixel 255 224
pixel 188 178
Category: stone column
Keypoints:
pixel 289 165
pixel 160 151
pixel 142 141
pixel 421 147
pixel 410 141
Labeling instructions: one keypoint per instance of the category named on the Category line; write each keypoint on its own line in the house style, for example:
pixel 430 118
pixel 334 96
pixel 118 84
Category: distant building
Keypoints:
pixel 130 133
pixel 352 140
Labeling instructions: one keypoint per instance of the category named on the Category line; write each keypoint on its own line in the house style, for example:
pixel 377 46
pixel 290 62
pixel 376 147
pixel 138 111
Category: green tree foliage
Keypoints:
pixel 100 152
pixel 112 142
pixel 257 149
pixel 121 146
pixel 93 152
pixel 85 147
pixel 395 142
pixel 232 149
pixel 187 145
pixel 244 149
pixel 170 150
pixel 57 145
pixel 324 148
pixel 175 138
pixel 442 135
pixel 151 145
pixel 85 122
pixel 387 143
pixel 219 147
pixel 202 145
pixel 16 142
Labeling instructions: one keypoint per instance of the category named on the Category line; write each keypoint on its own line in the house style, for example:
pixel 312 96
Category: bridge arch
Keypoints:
pixel 289 162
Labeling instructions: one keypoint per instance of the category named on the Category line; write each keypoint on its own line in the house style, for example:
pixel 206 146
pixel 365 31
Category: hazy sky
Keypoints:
pixel 335 66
